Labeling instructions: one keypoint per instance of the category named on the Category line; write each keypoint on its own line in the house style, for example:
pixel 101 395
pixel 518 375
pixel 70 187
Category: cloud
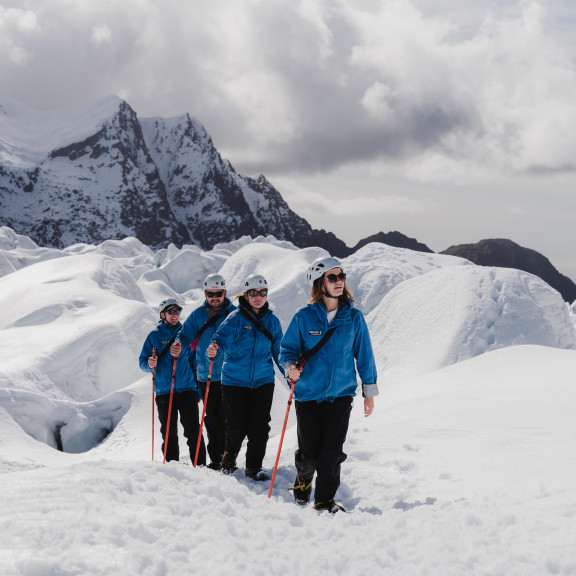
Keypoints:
pixel 15 24
pixel 429 88
pixel 101 34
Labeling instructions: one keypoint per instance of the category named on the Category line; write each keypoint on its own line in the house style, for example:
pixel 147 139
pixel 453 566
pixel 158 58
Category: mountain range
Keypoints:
pixel 103 173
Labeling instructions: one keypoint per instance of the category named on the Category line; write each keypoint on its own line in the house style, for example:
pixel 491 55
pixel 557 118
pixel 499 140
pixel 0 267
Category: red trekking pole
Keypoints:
pixel 203 412
pixel 282 436
pixel 153 390
pixel 169 410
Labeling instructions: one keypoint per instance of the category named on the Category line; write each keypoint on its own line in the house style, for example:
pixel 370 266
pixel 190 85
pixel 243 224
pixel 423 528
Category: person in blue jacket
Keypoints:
pixel 326 342
pixel 185 397
pixel 197 334
pixel 249 340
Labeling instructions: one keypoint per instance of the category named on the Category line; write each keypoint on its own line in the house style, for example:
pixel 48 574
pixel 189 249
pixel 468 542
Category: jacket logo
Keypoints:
pixel 315 332
pixel 248 327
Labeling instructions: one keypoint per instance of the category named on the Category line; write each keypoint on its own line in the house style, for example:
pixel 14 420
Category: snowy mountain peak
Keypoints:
pixel 102 173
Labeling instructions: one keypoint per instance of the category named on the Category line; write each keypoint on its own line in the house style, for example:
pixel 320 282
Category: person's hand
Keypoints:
pixel 152 362
pixel 176 349
pixel 212 350
pixel 368 406
pixel 294 373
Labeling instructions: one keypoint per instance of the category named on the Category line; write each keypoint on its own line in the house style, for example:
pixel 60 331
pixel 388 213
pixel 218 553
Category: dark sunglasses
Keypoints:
pixel 263 292
pixel 217 294
pixel 174 311
pixel 333 278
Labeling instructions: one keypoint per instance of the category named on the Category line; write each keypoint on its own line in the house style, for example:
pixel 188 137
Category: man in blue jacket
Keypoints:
pixel 197 334
pixel 185 397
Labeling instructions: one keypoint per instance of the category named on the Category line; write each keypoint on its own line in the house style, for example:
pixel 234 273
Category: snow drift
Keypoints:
pixel 466 466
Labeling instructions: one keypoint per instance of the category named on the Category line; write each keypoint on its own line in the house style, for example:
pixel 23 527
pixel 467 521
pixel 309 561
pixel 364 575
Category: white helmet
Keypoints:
pixel 255 281
pixel 168 303
pixel 319 266
pixel 214 282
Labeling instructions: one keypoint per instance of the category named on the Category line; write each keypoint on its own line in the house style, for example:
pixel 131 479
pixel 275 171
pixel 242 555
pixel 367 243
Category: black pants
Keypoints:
pixel 185 403
pixel 247 414
pixel 322 429
pixel 214 420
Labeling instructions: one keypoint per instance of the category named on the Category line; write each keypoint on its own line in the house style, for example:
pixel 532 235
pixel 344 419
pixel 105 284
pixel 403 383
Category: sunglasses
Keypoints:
pixel 174 311
pixel 263 292
pixel 217 294
pixel 333 278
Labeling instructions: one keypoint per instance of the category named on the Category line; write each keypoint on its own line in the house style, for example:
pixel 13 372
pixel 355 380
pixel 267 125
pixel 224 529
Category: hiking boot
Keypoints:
pixel 257 474
pixel 228 464
pixel 214 466
pixel 302 489
pixel 329 506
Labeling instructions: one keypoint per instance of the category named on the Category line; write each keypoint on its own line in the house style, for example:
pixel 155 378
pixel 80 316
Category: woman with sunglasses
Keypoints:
pixel 249 340
pixel 326 343
pixel 186 396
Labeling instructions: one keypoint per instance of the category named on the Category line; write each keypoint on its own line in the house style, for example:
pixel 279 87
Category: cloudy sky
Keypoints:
pixel 448 120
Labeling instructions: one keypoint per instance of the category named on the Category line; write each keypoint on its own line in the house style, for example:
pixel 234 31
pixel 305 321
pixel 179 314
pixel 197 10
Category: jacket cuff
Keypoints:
pixel 370 390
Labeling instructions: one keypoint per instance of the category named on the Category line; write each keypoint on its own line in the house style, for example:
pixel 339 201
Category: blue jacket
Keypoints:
pixel 189 332
pixel 158 339
pixel 331 372
pixel 248 354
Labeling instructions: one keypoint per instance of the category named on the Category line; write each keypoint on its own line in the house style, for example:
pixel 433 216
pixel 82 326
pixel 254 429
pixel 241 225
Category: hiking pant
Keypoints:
pixel 214 420
pixel 186 404
pixel 247 414
pixel 322 429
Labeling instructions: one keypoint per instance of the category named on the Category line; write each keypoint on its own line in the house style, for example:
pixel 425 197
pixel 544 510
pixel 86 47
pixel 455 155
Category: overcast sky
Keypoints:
pixel 447 120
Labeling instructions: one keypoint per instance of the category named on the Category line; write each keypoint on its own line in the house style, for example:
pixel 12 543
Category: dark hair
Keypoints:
pixel 317 291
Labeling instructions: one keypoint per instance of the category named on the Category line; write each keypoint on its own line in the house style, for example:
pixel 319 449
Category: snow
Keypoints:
pixel 27 135
pixel 466 466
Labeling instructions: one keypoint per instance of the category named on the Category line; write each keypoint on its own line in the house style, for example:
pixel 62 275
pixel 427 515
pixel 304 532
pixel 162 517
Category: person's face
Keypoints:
pixel 334 282
pixel 171 316
pixel 215 298
pixel 256 298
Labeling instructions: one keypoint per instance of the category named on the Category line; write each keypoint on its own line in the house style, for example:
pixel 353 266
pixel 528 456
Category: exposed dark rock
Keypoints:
pixel 396 239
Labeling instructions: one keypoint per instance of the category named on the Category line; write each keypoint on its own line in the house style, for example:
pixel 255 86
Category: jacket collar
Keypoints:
pixel 344 306
pixel 244 304
pixel 169 326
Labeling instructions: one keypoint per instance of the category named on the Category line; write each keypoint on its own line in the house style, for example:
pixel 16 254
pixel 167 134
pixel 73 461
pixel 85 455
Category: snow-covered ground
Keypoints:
pixel 466 467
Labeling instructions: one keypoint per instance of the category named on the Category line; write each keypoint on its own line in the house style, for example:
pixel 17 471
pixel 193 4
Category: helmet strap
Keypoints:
pixel 330 295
